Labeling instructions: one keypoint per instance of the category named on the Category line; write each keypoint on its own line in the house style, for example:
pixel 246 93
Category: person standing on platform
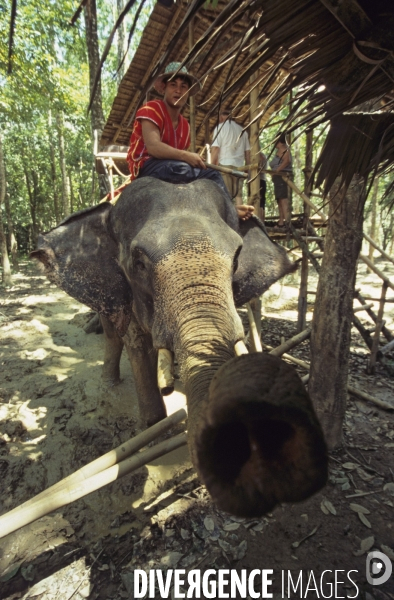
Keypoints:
pixel 263 184
pixel 282 163
pixel 230 148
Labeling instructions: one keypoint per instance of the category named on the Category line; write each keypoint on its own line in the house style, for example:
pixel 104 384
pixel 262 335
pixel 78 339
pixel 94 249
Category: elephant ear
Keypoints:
pixel 261 262
pixel 81 257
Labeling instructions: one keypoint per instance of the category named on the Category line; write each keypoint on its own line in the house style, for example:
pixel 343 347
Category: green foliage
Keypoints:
pixel 50 77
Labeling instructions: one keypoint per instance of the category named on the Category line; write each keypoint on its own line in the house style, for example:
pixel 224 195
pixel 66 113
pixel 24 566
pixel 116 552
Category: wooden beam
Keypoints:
pixel 254 143
pixel 379 325
pixel 158 53
pixel 387 334
pixel 192 100
pixel 303 293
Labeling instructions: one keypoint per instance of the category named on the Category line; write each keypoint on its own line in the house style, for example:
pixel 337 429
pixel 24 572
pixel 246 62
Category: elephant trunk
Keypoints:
pixel 253 435
pixel 260 443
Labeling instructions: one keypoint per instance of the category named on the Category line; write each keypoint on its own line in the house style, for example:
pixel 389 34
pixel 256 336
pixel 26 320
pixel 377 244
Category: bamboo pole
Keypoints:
pixel 291 343
pixel 222 169
pixel 350 389
pixel 387 334
pixel 255 339
pixel 192 100
pixel 377 271
pixel 382 252
pixel 363 331
pixel 24 515
pixel 365 396
pixel 255 305
pixel 323 216
pixel 379 325
pixel 303 293
pixel 387 348
pixel 254 199
pixel 362 308
pixel 110 458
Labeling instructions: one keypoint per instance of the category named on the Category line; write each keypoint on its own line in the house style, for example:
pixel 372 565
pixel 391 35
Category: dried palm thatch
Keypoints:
pixel 334 55
pixel 222 51
pixel 356 143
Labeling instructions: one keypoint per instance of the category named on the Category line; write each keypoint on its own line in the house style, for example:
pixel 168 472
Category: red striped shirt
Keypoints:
pixel 155 111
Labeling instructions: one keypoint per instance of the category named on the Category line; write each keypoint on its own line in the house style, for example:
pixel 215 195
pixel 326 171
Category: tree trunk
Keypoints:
pixel 97 115
pixel 12 239
pixel 53 171
pixel 332 319
pixel 63 170
pixel 7 277
pixel 72 198
pixel 373 217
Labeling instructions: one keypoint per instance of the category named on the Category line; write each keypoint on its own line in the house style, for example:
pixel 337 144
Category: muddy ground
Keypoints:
pixel 55 416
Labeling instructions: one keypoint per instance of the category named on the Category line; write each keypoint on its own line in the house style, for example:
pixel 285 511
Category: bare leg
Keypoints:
pixel 283 205
pixel 113 350
pixel 143 359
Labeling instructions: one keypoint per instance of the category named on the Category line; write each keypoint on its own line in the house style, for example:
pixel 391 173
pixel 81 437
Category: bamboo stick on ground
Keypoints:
pixel 291 343
pixel 350 389
pixel 387 347
pixel 364 396
pixel 24 515
pixel 110 458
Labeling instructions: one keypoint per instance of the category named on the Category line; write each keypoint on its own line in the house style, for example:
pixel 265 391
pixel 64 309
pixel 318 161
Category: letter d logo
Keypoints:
pixel 378 567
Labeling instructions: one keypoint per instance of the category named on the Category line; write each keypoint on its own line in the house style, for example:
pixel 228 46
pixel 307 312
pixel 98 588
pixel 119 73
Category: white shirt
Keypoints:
pixel 232 142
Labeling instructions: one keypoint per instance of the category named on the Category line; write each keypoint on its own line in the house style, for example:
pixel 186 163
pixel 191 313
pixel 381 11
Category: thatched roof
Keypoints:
pixel 158 40
pixel 356 143
pixel 337 55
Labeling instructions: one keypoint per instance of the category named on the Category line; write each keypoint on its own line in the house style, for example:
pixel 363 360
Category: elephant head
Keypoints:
pixel 172 262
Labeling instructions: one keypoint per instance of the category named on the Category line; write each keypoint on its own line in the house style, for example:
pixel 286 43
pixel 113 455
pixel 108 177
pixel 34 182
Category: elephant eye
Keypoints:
pixel 139 265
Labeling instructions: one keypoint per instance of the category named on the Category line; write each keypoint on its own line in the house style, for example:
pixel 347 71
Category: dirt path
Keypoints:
pixel 55 416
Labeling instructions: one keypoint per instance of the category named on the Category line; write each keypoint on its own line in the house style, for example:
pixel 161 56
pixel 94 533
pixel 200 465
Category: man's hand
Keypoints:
pixel 245 211
pixel 194 160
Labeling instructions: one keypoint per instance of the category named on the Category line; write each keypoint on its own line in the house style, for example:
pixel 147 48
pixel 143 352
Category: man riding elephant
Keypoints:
pixel 161 136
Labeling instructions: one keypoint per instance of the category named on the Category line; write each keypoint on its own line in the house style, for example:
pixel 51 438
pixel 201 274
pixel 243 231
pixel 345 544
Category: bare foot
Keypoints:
pixel 245 211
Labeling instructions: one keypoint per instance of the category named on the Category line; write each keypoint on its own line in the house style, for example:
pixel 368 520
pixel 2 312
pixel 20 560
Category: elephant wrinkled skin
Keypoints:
pixel 166 267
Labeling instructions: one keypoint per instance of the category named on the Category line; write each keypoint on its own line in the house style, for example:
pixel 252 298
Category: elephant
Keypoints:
pixel 166 266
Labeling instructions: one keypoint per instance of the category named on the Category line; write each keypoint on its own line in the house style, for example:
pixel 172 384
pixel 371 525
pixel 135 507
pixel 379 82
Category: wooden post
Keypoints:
pixel 373 216
pixel 255 341
pixel 254 198
pixel 302 297
pixel 379 324
pixel 254 144
pixel 192 102
pixel 333 315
